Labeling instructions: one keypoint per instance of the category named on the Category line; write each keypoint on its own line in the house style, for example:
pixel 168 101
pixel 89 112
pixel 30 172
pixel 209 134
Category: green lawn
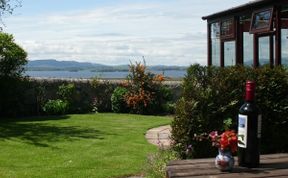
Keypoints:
pixel 76 146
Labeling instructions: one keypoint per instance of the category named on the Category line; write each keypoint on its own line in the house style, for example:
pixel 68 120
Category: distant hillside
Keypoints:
pixel 55 65
pixel 52 64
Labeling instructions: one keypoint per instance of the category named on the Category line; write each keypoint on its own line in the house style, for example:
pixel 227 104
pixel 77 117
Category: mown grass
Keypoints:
pixel 80 146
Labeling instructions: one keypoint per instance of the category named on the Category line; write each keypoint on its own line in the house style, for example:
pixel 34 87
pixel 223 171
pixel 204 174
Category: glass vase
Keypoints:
pixel 224 160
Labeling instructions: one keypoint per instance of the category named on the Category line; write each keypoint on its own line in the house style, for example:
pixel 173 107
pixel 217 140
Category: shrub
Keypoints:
pixel 63 104
pixel 69 94
pixel 118 100
pixel 56 107
pixel 65 92
pixel 101 95
pixel 272 99
pixel 211 95
pixel 146 93
pixel 83 96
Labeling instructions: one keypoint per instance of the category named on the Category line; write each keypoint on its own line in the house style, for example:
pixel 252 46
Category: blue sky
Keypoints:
pixel 167 32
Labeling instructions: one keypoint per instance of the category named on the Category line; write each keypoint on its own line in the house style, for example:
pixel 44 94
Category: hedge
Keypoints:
pixel 21 97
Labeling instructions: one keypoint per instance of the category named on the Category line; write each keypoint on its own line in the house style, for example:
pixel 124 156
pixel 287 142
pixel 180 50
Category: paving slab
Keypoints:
pixel 160 136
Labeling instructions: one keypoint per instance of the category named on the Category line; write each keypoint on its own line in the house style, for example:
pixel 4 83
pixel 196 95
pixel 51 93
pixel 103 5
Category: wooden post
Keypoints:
pixel 239 42
pixel 222 53
pixel 271 54
pixel 256 51
pixel 278 37
pixel 209 43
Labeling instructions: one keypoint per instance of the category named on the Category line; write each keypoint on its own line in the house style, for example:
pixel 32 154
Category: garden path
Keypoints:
pixel 160 136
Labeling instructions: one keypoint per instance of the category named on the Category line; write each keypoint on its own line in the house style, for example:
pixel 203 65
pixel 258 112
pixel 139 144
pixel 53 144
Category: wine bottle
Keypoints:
pixel 249 129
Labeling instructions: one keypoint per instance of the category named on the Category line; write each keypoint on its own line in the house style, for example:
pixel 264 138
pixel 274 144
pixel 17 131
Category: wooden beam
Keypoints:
pixel 278 36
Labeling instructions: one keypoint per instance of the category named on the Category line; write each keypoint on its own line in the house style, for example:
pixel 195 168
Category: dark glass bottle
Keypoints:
pixel 249 129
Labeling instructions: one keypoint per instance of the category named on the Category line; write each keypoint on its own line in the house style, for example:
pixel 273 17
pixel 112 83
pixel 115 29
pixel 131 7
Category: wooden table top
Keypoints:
pixel 272 165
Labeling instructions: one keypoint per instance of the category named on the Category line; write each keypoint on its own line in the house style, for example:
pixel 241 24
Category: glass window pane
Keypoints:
pixel 264 51
pixel 284 46
pixel 284 35
pixel 215 43
pixel 216 52
pixel 227 29
pixel 215 30
pixel 248 49
pixel 229 53
pixel 261 21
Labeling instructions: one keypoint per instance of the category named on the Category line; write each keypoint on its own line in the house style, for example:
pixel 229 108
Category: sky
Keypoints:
pixel 115 32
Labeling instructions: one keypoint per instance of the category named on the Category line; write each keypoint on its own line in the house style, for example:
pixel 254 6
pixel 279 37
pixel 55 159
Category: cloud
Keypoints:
pixel 165 32
pixel 156 50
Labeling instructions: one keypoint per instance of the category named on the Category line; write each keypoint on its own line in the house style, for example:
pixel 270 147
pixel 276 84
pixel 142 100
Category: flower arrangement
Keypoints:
pixel 227 144
pixel 225 141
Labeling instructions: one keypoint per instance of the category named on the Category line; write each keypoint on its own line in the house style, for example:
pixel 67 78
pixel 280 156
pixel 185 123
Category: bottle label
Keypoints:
pixel 242 130
pixel 259 126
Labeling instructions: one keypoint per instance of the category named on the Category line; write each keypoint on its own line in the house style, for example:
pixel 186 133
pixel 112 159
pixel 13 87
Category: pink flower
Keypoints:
pixel 213 135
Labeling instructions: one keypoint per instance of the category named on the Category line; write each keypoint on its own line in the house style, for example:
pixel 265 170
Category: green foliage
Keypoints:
pixel 101 97
pixel 95 82
pixel 56 107
pixel 272 98
pixel 63 103
pixel 156 163
pixel 12 57
pixel 13 87
pixel 65 92
pixel 227 124
pixel 211 95
pixel 169 108
pixel 118 100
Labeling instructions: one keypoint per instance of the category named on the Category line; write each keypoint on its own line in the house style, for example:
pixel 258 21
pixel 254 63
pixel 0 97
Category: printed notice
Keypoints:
pixel 242 130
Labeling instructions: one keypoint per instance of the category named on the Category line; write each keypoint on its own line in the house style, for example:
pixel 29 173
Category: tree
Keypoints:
pixel 12 85
pixel 12 57
pixel 8 6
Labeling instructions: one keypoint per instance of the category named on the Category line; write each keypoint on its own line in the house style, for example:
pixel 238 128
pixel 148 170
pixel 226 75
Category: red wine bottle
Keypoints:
pixel 249 129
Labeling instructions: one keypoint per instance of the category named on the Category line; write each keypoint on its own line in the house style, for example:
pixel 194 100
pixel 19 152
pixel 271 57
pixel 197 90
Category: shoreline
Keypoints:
pixel 169 75
pixel 110 80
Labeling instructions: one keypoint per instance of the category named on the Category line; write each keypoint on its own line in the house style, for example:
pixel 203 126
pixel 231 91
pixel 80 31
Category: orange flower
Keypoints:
pixel 136 99
pixel 159 78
